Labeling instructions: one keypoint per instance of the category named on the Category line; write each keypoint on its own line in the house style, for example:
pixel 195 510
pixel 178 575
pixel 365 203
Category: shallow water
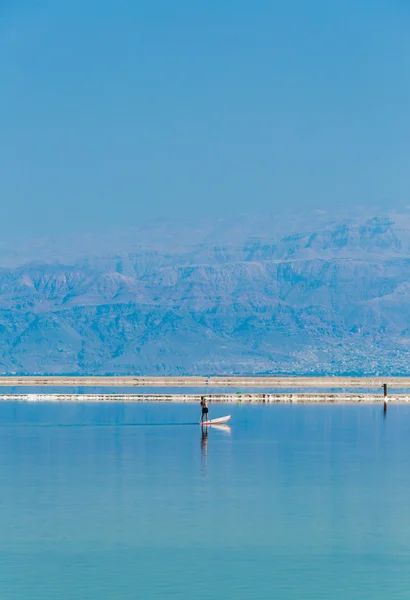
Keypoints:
pixel 130 501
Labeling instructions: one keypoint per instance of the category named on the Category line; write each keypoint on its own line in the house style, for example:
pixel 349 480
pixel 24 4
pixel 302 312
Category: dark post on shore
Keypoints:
pixel 385 397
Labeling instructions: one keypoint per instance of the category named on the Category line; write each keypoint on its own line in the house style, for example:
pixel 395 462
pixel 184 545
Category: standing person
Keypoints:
pixel 205 410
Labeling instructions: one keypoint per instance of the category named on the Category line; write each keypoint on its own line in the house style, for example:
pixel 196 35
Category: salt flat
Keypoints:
pixel 193 381
pixel 244 398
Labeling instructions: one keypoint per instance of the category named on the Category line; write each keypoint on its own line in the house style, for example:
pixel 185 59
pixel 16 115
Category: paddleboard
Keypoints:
pixel 216 421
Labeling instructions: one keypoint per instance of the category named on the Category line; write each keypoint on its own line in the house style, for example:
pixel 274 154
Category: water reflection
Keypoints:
pixel 204 441
pixel 222 427
pixel 204 448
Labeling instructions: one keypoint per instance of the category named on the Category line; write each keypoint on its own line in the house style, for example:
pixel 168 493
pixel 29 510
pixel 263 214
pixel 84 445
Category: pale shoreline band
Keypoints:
pixel 213 398
pixel 195 382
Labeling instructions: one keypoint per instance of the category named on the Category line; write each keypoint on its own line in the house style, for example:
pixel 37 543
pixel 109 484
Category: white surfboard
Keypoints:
pixel 219 421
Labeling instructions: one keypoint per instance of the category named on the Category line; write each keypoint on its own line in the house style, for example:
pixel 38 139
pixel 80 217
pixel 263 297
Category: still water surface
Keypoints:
pixel 132 501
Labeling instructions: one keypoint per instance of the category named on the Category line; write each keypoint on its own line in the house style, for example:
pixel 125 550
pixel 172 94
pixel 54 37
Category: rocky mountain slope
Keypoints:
pixel 295 294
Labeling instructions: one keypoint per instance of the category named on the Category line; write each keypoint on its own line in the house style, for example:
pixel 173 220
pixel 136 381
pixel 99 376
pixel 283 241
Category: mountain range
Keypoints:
pixel 285 294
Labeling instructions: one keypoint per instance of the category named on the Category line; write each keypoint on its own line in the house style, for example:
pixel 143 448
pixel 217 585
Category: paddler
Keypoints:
pixel 205 411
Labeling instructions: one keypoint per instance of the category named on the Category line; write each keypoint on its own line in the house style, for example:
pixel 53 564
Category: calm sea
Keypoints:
pixel 121 501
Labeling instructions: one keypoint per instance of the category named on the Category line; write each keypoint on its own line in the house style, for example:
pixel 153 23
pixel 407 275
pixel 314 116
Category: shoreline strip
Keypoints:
pixel 268 382
pixel 216 398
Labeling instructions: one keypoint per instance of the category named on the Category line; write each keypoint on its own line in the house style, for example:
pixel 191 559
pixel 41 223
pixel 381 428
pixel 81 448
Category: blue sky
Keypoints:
pixel 112 113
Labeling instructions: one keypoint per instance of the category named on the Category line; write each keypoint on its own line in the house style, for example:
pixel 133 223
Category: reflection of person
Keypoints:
pixel 204 441
pixel 205 410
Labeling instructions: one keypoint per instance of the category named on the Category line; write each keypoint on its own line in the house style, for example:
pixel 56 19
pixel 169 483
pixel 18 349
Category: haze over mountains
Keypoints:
pixel 302 294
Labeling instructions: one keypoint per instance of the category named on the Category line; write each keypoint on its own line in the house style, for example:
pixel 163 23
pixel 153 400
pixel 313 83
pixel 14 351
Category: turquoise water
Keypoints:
pixel 130 501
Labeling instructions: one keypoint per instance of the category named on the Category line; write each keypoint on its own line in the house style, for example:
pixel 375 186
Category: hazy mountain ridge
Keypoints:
pixel 331 297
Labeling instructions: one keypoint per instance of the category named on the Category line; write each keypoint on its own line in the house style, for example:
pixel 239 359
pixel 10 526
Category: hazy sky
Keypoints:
pixel 112 112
